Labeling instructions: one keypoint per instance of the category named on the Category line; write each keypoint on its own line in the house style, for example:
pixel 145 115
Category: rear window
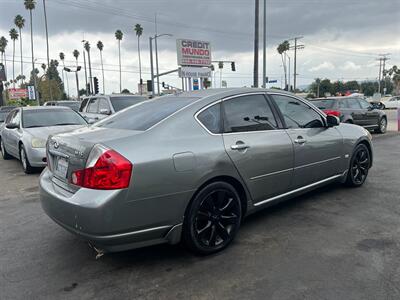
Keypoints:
pixel 53 117
pixel 120 103
pixel 324 104
pixel 143 116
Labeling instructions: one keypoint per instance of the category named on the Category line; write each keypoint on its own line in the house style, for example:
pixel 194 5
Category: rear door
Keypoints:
pixel 261 151
pixel 371 114
pixel 104 108
pixel 317 149
pixel 358 114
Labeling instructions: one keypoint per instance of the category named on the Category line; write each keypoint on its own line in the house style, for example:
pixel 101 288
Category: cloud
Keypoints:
pixel 350 66
pixel 326 65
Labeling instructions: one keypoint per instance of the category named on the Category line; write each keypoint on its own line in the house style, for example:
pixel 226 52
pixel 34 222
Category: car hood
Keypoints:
pixel 44 132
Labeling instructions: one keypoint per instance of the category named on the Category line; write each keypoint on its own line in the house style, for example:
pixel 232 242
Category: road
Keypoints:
pixel 333 243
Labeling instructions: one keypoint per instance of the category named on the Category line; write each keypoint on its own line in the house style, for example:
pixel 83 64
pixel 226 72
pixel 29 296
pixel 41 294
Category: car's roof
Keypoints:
pixel 224 91
pixel 338 98
pixel 29 108
pixel 7 108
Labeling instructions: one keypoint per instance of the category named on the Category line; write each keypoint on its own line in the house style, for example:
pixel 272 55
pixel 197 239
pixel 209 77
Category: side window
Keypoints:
pixel 10 117
pixel 16 117
pixel 248 113
pixel 103 104
pixel 353 103
pixel 211 118
pixel 364 104
pixel 342 104
pixel 92 106
pixel 297 114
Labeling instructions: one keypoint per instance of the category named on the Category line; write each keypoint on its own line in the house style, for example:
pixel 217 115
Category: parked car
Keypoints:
pixel 190 166
pixel 4 110
pixel 98 107
pixel 354 110
pixel 26 131
pixel 74 105
pixel 393 102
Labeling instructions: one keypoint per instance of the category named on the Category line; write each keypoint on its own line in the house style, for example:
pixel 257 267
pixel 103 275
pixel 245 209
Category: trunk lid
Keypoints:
pixel 69 152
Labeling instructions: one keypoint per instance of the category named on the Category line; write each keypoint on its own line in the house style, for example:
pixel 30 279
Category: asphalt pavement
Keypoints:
pixel 333 243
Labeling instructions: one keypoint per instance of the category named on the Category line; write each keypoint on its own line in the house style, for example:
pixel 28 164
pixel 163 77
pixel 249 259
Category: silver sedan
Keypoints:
pixel 26 130
pixel 189 167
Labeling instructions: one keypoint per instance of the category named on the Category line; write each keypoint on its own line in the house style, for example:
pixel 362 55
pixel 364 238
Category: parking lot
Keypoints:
pixel 334 243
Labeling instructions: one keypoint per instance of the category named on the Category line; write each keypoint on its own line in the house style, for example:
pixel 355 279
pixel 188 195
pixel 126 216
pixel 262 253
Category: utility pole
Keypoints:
pixel 256 38
pixel 295 48
pixel 382 64
pixel 156 48
pixel 48 51
pixel 84 64
pixel 265 46
pixel 379 75
pixel 151 66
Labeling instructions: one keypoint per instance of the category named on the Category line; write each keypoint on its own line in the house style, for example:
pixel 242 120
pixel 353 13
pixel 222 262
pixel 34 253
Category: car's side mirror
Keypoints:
pixel 332 121
pixel 105 111
pixel 12 126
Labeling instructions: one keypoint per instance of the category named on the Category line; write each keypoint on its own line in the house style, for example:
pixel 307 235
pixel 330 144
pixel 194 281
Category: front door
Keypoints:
pixel 261 152
pixel 317 149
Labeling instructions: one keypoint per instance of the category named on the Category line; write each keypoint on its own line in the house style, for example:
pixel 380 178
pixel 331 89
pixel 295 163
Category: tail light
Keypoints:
pixel 106 169
pixel 332 112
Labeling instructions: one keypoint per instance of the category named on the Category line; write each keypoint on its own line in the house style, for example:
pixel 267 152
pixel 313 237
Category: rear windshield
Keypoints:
pixel 45 118
pixel 119 103
pixel 70 104
pixel 143 116
pixel 324 104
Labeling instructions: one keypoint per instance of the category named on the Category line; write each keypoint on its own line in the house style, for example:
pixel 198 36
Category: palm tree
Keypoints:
pixel 19 21
pixel 87 48
pixel 3 46
pixel 76 55
pixel 30 5
pixel 62 57
pixel 119 35
pixel 139 31
pixel 282 48
pixel 14 37
pixel 43 67
pixel 100 46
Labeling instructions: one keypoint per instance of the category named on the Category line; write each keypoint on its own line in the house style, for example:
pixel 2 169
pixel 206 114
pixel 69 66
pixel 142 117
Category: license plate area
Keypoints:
pixel 61 167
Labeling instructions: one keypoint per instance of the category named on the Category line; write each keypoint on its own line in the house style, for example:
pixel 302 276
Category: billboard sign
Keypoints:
pixel 194 72
pixel 193 53
pixel 195 84
pixel 31 92
pixel 18 93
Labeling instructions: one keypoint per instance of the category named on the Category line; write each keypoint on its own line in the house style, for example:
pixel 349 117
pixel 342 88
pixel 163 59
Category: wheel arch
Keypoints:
pixel 369 147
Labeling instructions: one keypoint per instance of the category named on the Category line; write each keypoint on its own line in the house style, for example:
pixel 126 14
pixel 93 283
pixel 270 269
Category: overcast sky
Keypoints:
pixel 342 38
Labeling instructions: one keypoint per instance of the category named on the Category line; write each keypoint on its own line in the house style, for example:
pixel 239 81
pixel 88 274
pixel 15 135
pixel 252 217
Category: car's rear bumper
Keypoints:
pixel 99 217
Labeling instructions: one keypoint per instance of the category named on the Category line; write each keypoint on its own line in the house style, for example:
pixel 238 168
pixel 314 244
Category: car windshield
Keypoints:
pixel 143 116
pixel 324 104
pixel 119 103
pixel 51 117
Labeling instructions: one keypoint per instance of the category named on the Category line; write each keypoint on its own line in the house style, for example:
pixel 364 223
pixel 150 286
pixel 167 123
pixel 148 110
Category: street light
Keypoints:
pixel 151 60
pixel 84 63
pixel 78 68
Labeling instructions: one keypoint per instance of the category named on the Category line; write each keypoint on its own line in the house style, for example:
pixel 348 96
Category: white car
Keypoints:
pixel 393 102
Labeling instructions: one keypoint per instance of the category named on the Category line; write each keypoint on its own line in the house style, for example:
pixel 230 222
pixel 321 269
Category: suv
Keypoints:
pixel 354 110
pixel 95 108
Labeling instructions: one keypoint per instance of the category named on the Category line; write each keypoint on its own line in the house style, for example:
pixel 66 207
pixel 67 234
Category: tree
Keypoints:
pixel 87 48
pixel 125 91
pixel 14 37
pixel 51 85
pixel 30 5
pixel 119 35
pixel 139 31
pixel 394 73
pixel 352 86
pixel 62 58
pixel 100 46
pixel 3 46
pixel 19 21
pixel 322 87
pixel 76 55
pixel 282 48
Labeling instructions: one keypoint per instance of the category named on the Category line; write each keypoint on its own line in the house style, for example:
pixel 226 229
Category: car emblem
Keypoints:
pixel 56 145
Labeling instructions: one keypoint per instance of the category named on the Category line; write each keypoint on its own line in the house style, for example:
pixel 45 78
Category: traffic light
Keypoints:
pixel 96 85
pixel 149 86
pixel 163 84
pixel 233 67
pixel 220 65
pixel 212 68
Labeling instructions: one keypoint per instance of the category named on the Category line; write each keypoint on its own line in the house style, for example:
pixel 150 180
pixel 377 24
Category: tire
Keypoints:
pixel 359 166
pixel 28 169
pixel 212 219
pixel 382 125
pixel 4 152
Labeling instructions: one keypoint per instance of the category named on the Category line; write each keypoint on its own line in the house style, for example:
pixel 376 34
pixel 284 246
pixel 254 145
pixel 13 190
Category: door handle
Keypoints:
pixel 240 147
pixel 300 140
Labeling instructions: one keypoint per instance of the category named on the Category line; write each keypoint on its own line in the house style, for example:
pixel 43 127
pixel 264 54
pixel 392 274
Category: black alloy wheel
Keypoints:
pixel 359 166
pixel 213 218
